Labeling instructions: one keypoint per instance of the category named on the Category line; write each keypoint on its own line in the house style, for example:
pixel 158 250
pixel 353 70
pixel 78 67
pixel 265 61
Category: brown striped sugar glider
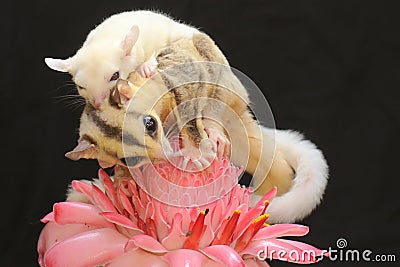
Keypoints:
pixel 131 128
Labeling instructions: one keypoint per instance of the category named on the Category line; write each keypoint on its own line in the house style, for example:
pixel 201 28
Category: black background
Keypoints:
pixel 329 69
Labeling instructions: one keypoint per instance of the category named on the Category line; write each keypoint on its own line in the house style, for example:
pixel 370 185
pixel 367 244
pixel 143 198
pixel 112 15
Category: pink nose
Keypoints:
pixel 96 102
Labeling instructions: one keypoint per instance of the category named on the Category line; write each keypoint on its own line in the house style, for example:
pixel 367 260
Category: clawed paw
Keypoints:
pixel 148 68
pixel 221 143
pixel 195 159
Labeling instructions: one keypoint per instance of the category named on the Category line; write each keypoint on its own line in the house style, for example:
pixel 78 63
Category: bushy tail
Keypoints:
pixel 308 185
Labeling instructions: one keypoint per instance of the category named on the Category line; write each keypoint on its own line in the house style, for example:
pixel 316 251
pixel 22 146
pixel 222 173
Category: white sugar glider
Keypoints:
pixel 123 43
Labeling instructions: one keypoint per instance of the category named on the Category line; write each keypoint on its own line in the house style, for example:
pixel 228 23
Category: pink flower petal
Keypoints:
pixel 186 217
pixel 233 205
pixel 138 257
pixel 162 226
pixel 262 263
pixel 246 219
pixel 279 230
pixel 185 258
pixel 120 220
pixel 223 254
pixel 208 234
pixel 137 203
pixel 126 203
pixel 216 215
pixel 53 233
pixel 87 249
pixel 132 223
pixel 255 263
pixel 79 213
pixel 250 262
pixel 101 200
pixel 147 243
pixel 83 188
pixel 132 185
pixel 304 246
pixel 149 210
pixel 268 196
pixel 110 189
pixel 48 218
pixel 176 238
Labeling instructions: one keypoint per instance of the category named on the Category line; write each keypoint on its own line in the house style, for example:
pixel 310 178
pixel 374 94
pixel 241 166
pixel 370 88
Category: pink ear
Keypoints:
pixel 84 150
pixel 130 40
pixel 125 89
pixel 63 65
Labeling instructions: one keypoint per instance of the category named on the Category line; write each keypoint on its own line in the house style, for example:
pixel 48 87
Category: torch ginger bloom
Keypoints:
pixel 124 226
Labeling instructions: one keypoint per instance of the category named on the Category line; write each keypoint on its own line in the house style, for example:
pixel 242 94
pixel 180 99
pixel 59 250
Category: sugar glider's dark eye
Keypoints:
pixel 115 76
pixel 80 87
pixel 150 124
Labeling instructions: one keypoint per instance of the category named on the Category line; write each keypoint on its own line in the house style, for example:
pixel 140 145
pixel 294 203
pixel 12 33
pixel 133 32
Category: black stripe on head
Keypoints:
pixel 106 129
pixel 133 161
pixel 112 154
pixel 171 87
pixel 90 139
pixel 130 140
pixel 192 128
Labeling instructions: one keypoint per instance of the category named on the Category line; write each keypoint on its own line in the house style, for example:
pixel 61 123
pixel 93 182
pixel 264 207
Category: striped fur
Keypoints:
pixel 116 133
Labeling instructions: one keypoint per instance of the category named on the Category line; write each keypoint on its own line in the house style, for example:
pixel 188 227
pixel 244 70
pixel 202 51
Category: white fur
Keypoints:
pixel 108 49
pixel 309 183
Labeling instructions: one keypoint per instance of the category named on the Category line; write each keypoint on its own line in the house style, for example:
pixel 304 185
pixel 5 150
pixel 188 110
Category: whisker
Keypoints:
pixel 68 96
pixel 66 84
pixel 72 102
pixel 75 106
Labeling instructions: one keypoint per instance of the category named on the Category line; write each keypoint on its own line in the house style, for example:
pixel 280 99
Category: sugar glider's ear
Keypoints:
pixel 130 40
pixel 84 150
pixel 126 89
pixel 63 65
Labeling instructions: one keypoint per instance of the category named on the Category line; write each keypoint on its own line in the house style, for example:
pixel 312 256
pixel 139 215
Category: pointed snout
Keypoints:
pixel 97 101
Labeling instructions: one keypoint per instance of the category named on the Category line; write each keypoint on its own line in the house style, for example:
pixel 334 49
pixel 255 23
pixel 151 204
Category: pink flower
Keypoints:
pixel 125 225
